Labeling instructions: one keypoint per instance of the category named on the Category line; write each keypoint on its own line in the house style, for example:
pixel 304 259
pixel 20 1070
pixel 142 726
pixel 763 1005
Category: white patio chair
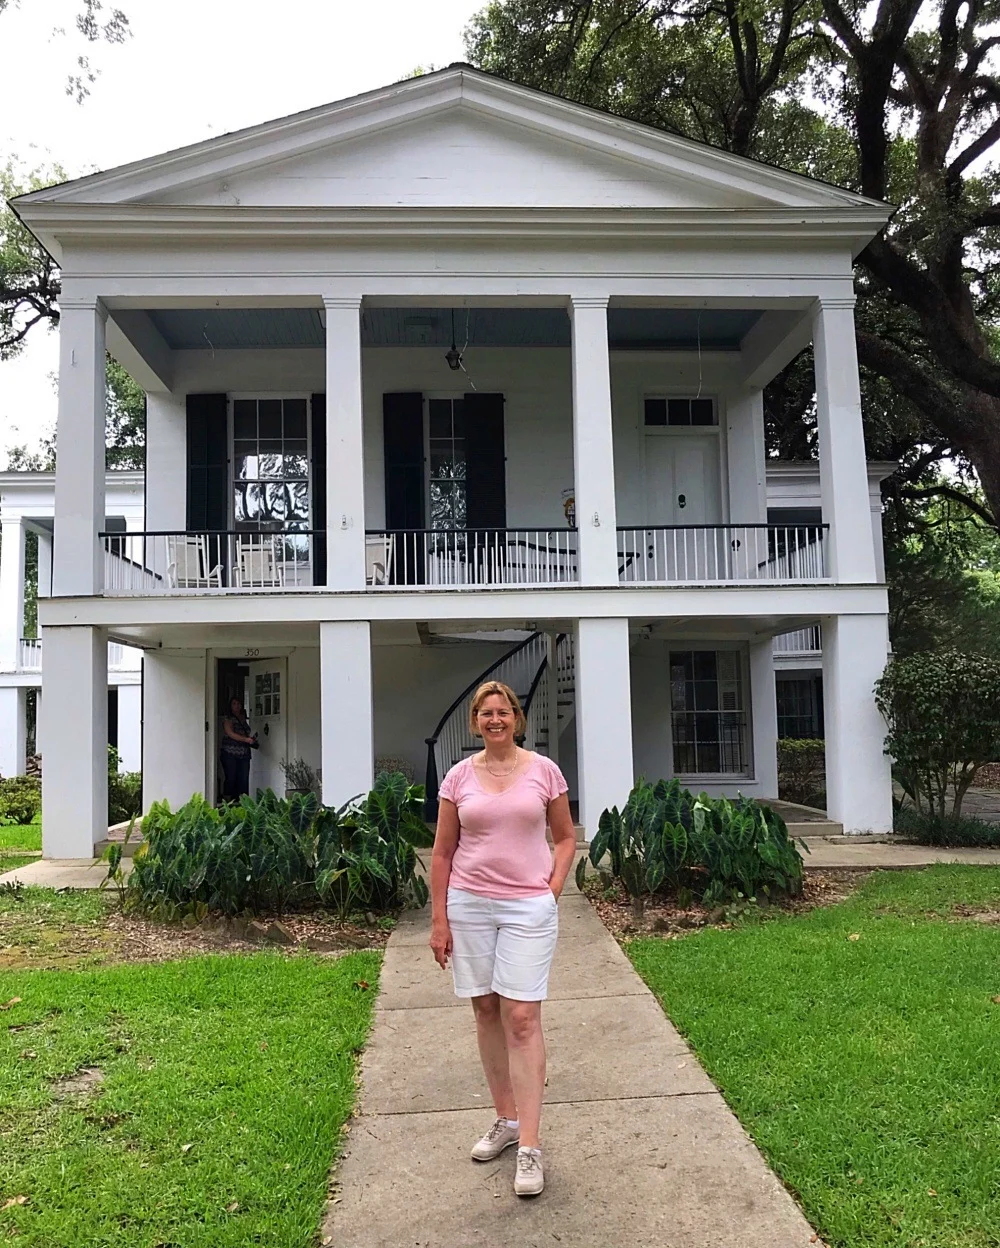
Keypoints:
pixel 258 565
pixel 188 563
pixel 378 559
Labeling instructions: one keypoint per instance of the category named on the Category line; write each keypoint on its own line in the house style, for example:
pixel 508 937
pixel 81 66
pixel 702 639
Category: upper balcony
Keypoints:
pixel 142 564
pixel 595 443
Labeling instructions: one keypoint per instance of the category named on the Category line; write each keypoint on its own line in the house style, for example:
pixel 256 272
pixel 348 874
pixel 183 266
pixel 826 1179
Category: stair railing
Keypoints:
pixel 452 739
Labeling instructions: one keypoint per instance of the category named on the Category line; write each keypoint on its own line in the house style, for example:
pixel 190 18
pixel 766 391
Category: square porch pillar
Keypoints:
pixel 345 466
pixel 858 771
pixel 603 718
pixel 746 457
pixel 11 592
pixel 75 767
pixel 843 472
pixel 78 561
pixel 593 443
pixel 174 712
pixel 13 730
pixel 347 716
pixel 764 717
pixel 44 564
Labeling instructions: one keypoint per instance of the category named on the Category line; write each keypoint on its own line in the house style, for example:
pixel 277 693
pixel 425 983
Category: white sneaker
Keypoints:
pixel 496 1139
pixel 528 1179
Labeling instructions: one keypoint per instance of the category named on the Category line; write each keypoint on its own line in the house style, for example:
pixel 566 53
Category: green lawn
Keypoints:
pixel 859 1046
pixel 226 1082
pixel 16 839
pixel 21 836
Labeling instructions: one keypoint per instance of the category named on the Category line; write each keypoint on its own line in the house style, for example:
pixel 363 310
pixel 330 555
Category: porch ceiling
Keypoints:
pixel 629 329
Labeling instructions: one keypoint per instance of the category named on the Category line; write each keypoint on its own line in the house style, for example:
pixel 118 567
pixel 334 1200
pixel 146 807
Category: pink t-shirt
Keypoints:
pixel 502 851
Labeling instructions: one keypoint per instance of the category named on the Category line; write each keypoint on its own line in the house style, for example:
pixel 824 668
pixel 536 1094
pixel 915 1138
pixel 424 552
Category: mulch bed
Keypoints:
pixel 665 917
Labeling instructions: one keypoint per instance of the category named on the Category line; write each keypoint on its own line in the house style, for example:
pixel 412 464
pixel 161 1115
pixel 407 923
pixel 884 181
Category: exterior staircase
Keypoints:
pixel 541 670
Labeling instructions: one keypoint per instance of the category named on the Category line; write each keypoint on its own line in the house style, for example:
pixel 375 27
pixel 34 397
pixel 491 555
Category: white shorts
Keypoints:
pixel 504 947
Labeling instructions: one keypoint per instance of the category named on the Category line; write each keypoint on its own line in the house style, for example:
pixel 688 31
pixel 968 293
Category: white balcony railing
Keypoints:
pixel 722 554
pixel 120 658
pixel 459 558
pixel 802 641
pixel 172 563
pixel 29 654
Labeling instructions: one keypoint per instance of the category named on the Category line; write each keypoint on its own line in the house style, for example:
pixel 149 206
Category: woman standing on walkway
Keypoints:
pixel 495 888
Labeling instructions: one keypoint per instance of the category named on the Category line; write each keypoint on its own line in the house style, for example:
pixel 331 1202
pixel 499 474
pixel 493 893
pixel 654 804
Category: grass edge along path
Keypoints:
pixel 225 1086
pixel 857 1045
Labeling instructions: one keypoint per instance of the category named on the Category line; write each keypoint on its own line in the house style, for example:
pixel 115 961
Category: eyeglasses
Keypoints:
pixel 502 714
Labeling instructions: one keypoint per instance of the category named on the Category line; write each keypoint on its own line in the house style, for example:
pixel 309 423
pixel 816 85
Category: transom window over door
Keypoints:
pixel 446 460
pixel 271 491
pixel 707 715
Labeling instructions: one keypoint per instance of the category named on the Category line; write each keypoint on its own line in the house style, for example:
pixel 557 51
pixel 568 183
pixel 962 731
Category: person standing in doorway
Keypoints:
pixel 495 888
pixel 235 751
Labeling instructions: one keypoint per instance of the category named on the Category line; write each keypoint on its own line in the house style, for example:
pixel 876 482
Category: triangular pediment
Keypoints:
pixel 457 138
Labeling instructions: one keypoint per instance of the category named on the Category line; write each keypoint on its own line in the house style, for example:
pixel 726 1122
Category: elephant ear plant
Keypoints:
pixel 367 851
pixel 269 855
pixel 667 840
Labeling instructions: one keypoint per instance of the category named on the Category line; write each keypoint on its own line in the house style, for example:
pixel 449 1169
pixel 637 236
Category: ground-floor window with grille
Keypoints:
pixel 800 706
pixel 707 713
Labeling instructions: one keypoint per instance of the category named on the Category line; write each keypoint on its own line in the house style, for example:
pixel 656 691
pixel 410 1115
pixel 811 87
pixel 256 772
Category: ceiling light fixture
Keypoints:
pixel 453 355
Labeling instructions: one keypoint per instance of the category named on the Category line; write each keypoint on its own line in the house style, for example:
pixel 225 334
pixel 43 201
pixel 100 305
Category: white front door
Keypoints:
pixel 267 709
pixel 682 489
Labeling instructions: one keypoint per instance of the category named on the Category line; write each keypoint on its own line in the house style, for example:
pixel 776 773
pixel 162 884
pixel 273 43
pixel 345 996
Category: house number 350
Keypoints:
pixel 252 654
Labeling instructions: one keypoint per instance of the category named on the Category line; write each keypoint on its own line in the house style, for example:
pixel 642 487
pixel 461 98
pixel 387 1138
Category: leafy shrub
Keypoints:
pixel 124 796
pixel 948 830
pixel 943 712
pixel 667 839
pixel 271 854
pixel 366 858
pixel 20 799
pixel 801 771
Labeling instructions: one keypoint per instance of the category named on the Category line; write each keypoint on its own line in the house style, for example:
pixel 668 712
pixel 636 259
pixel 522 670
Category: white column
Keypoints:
pixel 13 730
pixel 130 727
pixel 39 738
pixel 44 564
pixel 174 728
pixel 858 772
pixel 75 767
pixel 345 468
pixel 166 463
pixel 843 472
pixel 764 717
pixel 11 591
pixel 346 710
pixel 603 718
pixel 78 566
pixel 593 443
pixel 745 453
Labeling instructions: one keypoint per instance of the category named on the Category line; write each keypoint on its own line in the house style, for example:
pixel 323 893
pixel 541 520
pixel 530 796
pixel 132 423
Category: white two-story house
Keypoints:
pixel 433 368
pixel 27 505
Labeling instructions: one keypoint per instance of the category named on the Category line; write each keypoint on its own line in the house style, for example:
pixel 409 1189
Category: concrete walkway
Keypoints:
pixel 640 1149
pixel 843 852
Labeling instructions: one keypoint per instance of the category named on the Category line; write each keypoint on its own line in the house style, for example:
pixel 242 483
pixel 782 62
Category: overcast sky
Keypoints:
pixel 192 69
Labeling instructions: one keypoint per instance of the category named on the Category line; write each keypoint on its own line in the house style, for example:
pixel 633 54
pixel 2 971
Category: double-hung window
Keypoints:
pixel 271 493
pixel 708 719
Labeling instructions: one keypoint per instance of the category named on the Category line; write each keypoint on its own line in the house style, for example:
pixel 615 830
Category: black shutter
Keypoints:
pixel 207 463
pixel 319 488
pixel 485 462
pixel 403 430
pixel 403 451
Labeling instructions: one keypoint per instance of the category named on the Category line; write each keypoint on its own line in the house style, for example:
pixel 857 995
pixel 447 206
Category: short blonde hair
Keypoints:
pixel 484 691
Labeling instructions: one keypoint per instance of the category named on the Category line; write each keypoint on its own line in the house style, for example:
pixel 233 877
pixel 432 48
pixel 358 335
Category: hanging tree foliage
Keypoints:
pixel 900 101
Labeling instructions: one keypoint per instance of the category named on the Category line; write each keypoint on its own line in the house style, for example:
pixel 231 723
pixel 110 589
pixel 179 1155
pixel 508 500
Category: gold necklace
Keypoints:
pixel 500 774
